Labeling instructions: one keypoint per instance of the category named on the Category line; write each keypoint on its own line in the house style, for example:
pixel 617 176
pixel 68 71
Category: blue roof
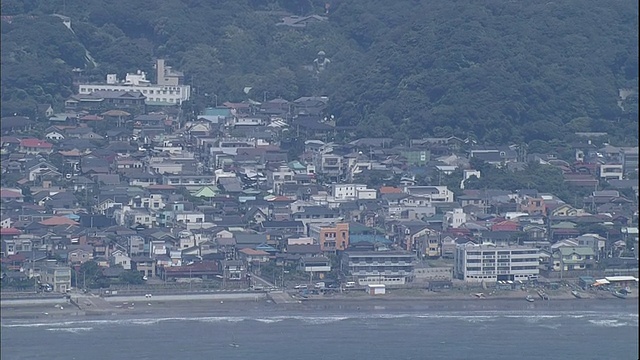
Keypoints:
pixel 354 239
pixel 267 248
pixel 217 112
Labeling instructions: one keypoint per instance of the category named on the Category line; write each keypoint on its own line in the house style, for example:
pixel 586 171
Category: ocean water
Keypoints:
pixel 380 335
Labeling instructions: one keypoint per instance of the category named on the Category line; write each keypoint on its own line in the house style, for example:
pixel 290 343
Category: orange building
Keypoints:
pixel 533 206
pixel 331 237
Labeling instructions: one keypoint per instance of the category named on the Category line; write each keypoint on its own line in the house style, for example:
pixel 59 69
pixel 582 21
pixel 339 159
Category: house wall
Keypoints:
pixel 58 277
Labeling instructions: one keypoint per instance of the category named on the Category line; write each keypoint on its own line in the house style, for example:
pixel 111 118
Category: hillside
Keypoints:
pixel 500 71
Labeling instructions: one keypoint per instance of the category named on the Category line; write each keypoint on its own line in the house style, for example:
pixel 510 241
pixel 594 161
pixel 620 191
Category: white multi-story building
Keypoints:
pixel 431 193
pixel 454 219
pixel 379 267
pixel 168 90
pixel 488 263
pixel 352 192
pixel 611 171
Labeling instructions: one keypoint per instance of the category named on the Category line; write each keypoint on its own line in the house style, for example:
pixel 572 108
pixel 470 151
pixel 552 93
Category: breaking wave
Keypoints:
pixel 608 323
pixel 74 330
pixel 594 318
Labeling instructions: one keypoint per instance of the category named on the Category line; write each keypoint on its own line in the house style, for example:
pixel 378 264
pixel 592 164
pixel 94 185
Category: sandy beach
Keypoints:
pixel 248 304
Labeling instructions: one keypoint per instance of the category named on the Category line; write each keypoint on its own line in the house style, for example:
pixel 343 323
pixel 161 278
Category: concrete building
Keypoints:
pixel 379 267
pixel 611 171
pixel 59 277
pixel 454 219
pixel 348 191
pixel 331 237
pixel 168 90
pixel 488 263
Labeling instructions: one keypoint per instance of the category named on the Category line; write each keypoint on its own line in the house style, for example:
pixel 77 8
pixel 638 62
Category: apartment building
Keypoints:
pixel 352 192
pixel 331 237
pixel 379 267
pixel 488 263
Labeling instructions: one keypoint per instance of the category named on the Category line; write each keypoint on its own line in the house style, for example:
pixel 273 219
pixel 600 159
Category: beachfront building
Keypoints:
pixel 490 263
pixel 378 267
pixel 59 277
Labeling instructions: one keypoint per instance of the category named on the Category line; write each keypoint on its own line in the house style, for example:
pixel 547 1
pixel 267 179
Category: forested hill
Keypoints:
pixel 498 70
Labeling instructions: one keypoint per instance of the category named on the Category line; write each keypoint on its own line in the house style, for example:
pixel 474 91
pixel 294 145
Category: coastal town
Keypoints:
pixel 127 190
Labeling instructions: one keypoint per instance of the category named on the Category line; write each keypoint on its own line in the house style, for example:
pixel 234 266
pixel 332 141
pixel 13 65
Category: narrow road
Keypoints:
pixel 257 280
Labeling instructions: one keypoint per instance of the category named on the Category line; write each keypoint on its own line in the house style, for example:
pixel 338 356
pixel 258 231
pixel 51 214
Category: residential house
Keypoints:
pixel 35 146
pixel 120 257
pixel 59 277
pixel 145 265
pixel 568 258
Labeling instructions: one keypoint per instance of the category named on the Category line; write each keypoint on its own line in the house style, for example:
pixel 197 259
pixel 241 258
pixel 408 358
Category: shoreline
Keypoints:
pixel 210 305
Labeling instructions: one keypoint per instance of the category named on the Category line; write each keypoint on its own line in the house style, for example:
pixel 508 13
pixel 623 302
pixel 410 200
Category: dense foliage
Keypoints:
pixel 501 71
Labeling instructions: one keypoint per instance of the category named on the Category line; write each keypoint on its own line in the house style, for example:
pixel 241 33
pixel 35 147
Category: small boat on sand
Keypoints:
pixel 530 298
pixel 619 294
pixel 578 294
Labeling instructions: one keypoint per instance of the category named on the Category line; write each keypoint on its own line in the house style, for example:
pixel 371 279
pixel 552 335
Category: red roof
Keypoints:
pixel 35 143
pixel 10 231
pixel 390 190
pixel 252 252
pixel 14 258
pixel 58 220
pixel 91 118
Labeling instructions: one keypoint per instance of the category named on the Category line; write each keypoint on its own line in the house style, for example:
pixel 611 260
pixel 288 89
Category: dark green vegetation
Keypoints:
pixel 500 71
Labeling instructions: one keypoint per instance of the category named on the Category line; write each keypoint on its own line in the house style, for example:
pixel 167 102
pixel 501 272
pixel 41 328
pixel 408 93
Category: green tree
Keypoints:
pixel 132 277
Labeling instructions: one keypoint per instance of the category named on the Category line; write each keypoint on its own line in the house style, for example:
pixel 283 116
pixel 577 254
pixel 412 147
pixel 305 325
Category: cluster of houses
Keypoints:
pixel 218 196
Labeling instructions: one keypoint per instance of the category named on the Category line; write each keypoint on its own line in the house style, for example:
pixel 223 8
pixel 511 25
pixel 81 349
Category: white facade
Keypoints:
pixel 455 219
pixel 431 193
pixel 121 258
pixel 466 174
pixel 167 91
pixel 158 247
pixel 300 241
pixel 346 191
pixel 611 171
pixel 153 93
pixel 487 263
pixel 189 217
